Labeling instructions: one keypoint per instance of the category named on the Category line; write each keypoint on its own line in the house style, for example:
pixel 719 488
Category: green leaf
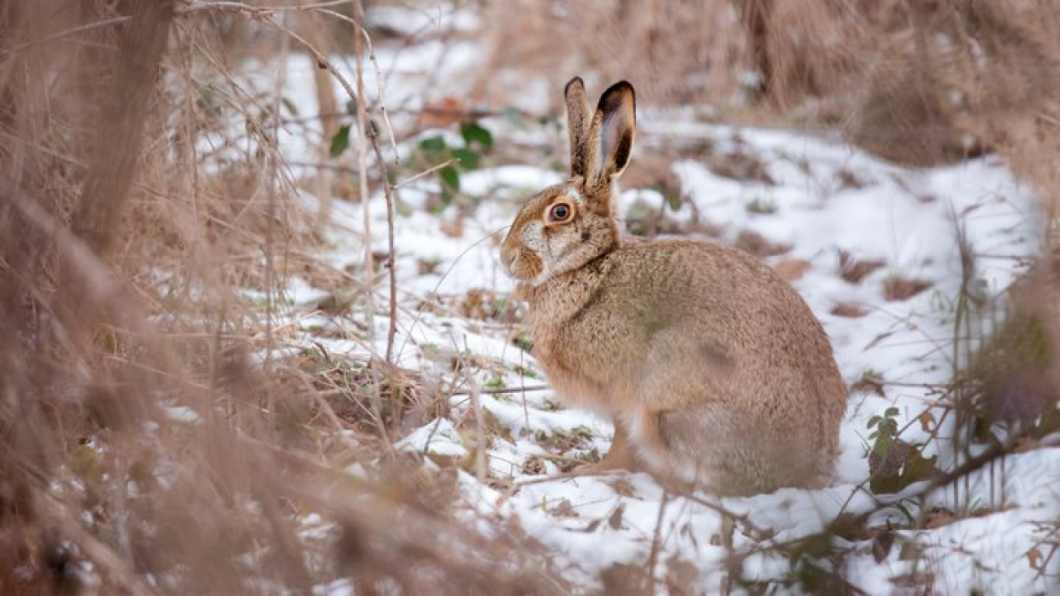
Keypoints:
pixel 497 383
pixel 889 426
pixel 287 103
pixel 340 141
pixel 673 200
pixel 467 158
pixel 450 178
pixel 873 421
pixel 883 446
pixel 433 144
pixel 473 132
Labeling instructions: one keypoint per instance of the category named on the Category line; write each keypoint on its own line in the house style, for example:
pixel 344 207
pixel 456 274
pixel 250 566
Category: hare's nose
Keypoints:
pixel 508 257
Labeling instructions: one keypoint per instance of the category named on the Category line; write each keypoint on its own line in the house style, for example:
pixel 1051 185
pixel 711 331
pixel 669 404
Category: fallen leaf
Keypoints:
pixel 848 310
pixel 897 288
pixel 792 269
pixel 1034 558
pixel 881 546
pixel 756 244
pixel 615 521
pixel 938 517
pixel 854 270
pixel 442 113
pixel 563 509
pixel 926 421
pixel 454 228
pixel 534 466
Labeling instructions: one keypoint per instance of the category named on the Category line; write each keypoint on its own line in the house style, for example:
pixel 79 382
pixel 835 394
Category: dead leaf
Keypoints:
pixel 854 270
pixel 740 166
pixel 443 113
pixel 1034 558
pixel 680 574
pixel 563 509
pixel 848 180
pixel 792 269
pixel 615 521
pixel 756 244
pixel 625 579
pixel 938 517
pixel 848 310
pixel 926 421
pixel 534 466
pixel 479 303
pixel 897 288
pixel 881 546
pixel 868 384
pixel 454 228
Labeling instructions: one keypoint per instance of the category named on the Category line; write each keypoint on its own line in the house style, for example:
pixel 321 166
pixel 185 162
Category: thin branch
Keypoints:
pixel 256 10
pixel 502 390
pixel 424 173
pixel 388 193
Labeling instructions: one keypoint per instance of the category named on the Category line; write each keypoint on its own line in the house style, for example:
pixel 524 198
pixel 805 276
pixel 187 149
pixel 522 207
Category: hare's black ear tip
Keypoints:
pixel 620 88
pixel 617 94
pixel 575 83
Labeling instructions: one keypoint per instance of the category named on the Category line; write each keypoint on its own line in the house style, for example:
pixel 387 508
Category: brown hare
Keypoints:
pixel 713 369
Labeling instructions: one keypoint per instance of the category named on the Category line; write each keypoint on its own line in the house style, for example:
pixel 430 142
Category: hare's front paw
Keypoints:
pixel 622 456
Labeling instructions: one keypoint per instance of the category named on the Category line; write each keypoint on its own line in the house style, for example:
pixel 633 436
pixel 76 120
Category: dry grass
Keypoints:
pixel 920 83
pixel 106 185
pixel 125 243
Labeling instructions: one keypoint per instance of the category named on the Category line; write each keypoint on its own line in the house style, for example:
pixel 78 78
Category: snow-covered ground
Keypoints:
pixel 822 207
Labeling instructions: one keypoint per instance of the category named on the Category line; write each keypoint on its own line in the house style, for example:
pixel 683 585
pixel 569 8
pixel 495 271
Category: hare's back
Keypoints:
pixel 708 290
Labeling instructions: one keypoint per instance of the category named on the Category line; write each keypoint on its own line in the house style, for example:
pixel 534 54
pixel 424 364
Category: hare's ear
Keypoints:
pixel 616 120
pixel 583 153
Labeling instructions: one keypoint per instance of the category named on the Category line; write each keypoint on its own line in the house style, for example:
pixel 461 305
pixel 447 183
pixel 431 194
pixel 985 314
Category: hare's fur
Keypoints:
pixel 712 368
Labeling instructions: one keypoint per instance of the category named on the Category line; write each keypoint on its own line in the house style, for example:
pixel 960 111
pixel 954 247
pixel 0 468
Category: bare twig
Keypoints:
pixel 388 193
pixel 653 556
pixel 501 390
pixel 424 173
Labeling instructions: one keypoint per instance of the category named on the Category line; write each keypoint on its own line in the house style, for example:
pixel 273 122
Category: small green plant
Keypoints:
pixel 894 463
pixel 886 430
pixel 762 206
pixel 526 372
pixel 431 151
pixel 871 381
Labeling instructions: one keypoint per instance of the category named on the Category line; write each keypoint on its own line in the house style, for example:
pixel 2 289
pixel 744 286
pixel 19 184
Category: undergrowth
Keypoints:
pixel 155 435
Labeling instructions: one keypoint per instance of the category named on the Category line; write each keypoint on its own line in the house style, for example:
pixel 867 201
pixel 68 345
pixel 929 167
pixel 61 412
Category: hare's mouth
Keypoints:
pixel 522 265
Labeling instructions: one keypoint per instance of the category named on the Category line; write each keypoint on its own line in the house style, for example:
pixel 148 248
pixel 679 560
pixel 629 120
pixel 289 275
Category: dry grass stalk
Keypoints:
pixel 144 440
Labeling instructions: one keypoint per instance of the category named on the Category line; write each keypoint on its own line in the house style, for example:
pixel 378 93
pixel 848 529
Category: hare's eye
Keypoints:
pixel 559 212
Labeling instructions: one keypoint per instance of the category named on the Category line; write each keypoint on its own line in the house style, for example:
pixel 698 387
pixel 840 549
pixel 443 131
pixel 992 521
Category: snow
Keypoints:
pixel 827 198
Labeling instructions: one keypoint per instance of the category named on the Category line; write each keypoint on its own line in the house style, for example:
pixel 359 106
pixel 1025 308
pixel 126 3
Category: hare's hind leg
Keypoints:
pixel 713 447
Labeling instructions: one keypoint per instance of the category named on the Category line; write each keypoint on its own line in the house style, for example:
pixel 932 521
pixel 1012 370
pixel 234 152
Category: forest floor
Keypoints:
pixel 878 251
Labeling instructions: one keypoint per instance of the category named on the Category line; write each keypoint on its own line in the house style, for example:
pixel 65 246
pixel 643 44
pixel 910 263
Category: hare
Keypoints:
pixel 713 369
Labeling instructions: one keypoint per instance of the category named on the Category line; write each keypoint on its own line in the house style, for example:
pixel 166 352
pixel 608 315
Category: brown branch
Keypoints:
pixel 119 138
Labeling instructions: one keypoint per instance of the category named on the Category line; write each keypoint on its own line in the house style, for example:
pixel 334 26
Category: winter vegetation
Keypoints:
pixel 259 337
